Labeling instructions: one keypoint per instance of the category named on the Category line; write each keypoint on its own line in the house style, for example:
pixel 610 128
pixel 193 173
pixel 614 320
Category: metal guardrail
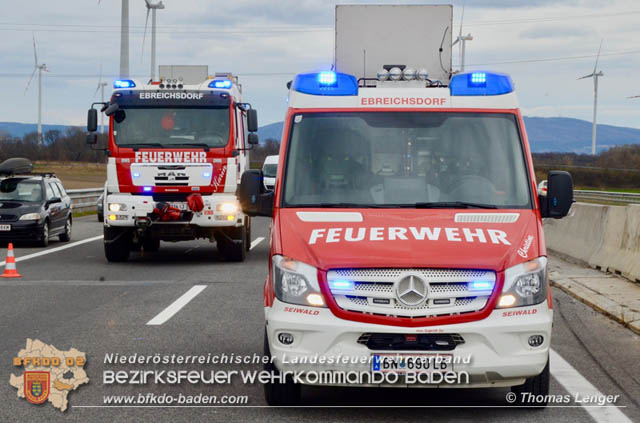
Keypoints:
pixel 83 200
pixel 606 197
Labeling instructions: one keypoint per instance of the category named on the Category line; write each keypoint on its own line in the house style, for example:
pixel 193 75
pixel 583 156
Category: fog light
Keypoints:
pixel 536 340
pixel 231 217
pixel 507 301
pixel 285 338
pixel 315 300
pixel 112 217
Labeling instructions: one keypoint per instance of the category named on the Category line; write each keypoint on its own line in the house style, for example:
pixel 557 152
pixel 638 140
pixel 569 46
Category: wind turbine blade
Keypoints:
pixel 35 53
pixel 461 20
pixel 145 31
pixel 30 79
pixel 586 76
pixel 455 42
pixel 598 56
pixel 634 96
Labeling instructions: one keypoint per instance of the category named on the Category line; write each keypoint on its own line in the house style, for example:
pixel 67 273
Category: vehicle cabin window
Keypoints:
pixel 50 192
pixel 61 189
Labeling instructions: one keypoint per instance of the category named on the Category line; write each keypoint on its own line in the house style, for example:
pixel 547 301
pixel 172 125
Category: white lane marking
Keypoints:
pixel 256 242
pixel 54 250
pixel 175 307
pixel 576 384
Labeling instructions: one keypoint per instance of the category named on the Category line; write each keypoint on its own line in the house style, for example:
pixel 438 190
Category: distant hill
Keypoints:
pixel 554 134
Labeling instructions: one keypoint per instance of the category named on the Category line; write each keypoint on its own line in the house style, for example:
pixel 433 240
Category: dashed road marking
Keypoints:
pixel 256 242
pixel 175 307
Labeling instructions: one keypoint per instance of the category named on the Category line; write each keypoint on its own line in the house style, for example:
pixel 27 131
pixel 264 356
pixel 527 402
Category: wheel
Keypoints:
pixel 117 243
pixel 248 238
pixel 288 393
pixel 537 386
pixel 44 235
pixel 100 217
pixel 234 249
pixel 66 235
pixel 150 245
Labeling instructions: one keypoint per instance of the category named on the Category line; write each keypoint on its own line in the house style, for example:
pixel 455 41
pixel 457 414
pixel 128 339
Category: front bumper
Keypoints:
pixel 141 206
pixel 497 347
pixel 22 230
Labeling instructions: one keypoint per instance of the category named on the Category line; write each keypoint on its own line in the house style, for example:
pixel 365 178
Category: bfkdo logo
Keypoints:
pixel 36 386
pixel 49 373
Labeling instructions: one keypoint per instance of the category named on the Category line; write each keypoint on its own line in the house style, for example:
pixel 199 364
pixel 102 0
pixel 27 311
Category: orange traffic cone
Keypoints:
pixel 10 270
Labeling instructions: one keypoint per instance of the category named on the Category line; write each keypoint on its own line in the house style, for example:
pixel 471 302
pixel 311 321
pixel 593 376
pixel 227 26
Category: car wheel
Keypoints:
pixel 533 387
pixel 66 235
pixel 100 217
pixel 279 394
pixel 248 240
pixel 117 244
pixel 44 235
pixel 234 249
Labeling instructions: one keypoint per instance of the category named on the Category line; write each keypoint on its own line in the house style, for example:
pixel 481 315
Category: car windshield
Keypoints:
pixel 406 159
pixel 270 170
pixel 168 127
pixel 20 190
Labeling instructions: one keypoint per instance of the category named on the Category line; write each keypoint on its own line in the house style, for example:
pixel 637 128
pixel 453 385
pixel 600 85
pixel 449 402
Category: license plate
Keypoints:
pixel 5 227
pixel 180 205
pixel 419 363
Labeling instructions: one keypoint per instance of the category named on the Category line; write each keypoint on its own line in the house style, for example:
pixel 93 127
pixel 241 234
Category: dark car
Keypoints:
pixel 34 208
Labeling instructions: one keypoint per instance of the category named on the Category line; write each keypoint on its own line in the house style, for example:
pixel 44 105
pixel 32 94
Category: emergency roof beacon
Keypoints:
pixel 407 242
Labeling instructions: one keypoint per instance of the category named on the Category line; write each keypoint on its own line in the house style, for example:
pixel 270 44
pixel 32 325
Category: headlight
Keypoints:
pixel 296 282
pixel 116 207
pixel 30 216
pixel 524 284
pixel 227 208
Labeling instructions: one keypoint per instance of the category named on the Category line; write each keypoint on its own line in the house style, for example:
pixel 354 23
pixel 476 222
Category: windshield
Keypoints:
pixel 167 127
pixel 405 159
pixel 20 190
pixel 270 170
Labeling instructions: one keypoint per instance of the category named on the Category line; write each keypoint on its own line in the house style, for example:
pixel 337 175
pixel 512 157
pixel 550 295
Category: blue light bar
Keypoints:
pixel 481 286
pixel 220 83
pixel 341 285
pixel 123 83
pixel 480 84
pixel 326 83
pixel 146 189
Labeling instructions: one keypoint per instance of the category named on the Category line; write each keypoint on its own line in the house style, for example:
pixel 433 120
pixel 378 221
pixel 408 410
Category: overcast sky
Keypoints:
pixel 268 42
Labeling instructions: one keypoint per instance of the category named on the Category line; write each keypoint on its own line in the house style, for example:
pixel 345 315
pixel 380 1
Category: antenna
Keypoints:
pixel 151 8
pixel 595 75
pixel 38 67
pixel 462 39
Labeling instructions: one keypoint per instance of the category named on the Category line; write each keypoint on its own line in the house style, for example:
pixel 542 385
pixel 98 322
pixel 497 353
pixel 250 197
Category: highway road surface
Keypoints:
pixel 185 300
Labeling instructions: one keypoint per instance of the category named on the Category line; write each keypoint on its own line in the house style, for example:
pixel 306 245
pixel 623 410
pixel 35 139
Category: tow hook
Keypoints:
pixel 142 222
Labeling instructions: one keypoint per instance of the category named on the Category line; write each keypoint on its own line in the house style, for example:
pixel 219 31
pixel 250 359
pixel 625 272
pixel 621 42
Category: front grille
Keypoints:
pixel 8 217
pixel 411 342
pixel 449 291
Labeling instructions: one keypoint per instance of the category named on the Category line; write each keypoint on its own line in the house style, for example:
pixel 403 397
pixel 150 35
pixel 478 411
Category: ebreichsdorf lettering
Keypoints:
pixel 420 233
pixel 171 156
pixel 170 95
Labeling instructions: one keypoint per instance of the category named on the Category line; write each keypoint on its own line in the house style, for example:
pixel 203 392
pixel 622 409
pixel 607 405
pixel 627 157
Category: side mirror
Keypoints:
pixel 92 120
pixel 111 109
pixel 53 201
pixel 252 138
pixel 252 120
pixel 559 198
pixel 254 199
pixel 92 138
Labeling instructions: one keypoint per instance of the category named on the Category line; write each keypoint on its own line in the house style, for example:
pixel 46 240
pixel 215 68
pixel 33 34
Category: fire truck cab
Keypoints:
pixel 177 150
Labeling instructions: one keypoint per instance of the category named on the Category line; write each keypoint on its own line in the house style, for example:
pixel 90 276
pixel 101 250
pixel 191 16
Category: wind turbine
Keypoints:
pixel 462 39
pixel 38 67
pixel 595 75
pixel 151 7
pixel 124 39
pixel 634 96
pixel 100 87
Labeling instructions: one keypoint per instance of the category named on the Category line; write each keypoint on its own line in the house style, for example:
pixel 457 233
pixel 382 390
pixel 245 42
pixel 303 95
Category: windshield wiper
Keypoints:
pixel 339 206
pixel 137 146
pixel 191 144
pixel 452 205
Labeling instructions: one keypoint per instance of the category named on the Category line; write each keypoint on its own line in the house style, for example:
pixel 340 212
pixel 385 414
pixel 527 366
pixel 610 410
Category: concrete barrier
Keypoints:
pixel 605 237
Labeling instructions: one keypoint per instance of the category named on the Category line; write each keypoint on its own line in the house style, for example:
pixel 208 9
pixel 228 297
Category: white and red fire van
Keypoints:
pixel 406 235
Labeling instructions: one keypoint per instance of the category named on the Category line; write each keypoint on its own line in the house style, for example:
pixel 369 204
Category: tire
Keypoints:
pixel 44 235
pixel 151 245
pixel 248 240
pixel 278 394
pixel 234 251
pixel 66 235
pixel 117 244
pixel 100 217
pixel 533 386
